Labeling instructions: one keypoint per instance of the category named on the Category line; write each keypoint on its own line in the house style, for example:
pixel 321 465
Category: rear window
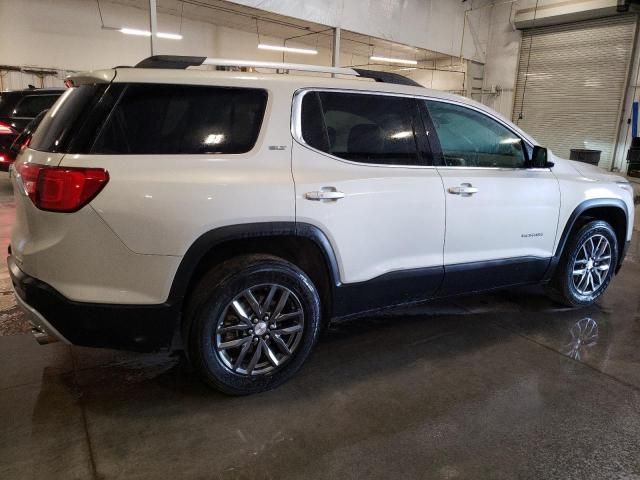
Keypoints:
pixel 8 100
pixel 31 105
pixel 179 119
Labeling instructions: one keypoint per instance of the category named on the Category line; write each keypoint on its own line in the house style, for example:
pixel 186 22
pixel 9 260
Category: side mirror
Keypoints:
pixel 539 158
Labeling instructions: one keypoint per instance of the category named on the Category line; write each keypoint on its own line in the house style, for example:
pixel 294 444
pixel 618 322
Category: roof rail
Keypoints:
pixel 177 61
pixel 183 62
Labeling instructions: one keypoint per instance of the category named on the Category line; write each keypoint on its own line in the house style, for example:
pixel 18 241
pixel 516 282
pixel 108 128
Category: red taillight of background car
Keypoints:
pixel 6 129
pixel 61 189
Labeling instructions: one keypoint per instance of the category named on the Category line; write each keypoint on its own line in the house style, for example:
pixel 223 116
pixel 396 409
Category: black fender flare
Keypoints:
pixel 208 240
pixel 568 228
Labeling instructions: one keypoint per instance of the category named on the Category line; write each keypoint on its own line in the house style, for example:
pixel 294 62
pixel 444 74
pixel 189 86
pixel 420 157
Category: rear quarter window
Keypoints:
pixel 65 117
pixel 180 119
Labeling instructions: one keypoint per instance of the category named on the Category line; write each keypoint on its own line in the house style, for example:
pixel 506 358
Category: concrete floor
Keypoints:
pixel 505 385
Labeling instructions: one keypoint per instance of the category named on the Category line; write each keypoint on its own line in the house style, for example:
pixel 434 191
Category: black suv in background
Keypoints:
pixel 17 109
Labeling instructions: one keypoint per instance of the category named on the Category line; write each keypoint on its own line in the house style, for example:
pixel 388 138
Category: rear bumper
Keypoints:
pixel 41 329
pixel 123 327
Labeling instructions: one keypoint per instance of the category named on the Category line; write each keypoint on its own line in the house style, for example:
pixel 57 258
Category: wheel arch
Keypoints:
pixel 303 244
pixel 612 210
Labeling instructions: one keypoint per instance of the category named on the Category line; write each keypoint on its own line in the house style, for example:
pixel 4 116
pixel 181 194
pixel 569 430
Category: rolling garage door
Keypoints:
pixel 571 81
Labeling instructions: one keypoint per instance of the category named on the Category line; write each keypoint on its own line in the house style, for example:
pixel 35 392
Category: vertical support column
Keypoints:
pixel 335 56
pixel 623 129
pixel 153 24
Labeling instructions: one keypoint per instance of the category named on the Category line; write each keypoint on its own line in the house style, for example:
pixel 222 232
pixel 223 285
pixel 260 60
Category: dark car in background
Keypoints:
pixel 21 141
pixel 17 109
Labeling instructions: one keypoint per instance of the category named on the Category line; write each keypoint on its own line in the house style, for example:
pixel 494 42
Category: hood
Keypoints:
pixel 595 173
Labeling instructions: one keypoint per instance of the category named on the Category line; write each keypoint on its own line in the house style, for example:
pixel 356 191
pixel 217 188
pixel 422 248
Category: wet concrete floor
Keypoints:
pixel 502 385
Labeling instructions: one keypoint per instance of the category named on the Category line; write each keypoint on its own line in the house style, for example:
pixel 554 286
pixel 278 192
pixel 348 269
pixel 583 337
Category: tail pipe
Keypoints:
pixel 41 335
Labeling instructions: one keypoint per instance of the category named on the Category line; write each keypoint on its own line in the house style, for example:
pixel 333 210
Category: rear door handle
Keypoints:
pixel 325 193
pixel 464 190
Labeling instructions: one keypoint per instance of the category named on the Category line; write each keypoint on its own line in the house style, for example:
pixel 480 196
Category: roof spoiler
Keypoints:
pixel 184 62
pixel 96 76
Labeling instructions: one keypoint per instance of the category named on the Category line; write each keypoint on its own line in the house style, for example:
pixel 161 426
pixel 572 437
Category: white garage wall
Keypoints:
pixel 445 74
pixel 67 34
pixel 72 39
pixel 502 59
pixel 432 24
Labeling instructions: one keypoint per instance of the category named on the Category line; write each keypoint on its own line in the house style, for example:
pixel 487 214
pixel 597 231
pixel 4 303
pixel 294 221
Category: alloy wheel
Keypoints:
pixel 259 330
pixel 592 264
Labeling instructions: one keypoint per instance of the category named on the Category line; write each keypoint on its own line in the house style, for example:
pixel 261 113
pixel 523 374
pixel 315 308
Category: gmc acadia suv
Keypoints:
pixel 235 213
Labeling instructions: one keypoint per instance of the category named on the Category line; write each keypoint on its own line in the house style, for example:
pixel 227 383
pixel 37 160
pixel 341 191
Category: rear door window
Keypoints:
pixel 365 128
pixel 179 119
pixel 31 105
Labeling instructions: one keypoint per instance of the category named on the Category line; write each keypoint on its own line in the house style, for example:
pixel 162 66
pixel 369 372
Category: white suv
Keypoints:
pixel 235 213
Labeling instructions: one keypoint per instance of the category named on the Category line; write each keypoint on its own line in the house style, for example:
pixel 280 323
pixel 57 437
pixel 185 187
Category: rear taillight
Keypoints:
pixel 61 189
pixel 6 129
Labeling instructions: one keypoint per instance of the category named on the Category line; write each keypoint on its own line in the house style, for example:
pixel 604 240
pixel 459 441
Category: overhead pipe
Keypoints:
pixel 153 24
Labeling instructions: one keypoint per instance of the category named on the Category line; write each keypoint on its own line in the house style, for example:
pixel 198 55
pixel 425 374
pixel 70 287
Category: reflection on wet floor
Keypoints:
pixel 584 335
pixel 500 385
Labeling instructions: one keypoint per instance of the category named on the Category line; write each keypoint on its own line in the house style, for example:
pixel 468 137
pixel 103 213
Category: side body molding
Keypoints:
pixel 347 299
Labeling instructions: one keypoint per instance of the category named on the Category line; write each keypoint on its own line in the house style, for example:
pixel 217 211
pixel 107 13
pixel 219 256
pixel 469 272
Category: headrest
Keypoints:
pixel 365 138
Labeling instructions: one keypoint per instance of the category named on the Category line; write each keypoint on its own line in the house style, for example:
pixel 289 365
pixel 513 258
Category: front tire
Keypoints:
pixel 587 265
pixel 252 322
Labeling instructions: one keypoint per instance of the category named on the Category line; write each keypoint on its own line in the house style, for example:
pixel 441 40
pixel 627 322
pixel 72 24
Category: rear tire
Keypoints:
pixel 251 323
pixel 587 265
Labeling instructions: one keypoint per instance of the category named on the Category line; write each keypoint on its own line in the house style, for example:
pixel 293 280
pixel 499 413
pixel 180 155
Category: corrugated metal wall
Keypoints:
pixel 571 81
pixel 16 80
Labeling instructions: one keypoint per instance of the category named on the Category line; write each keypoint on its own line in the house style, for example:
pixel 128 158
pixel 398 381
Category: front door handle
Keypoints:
pixel 464 190
pixel 325 193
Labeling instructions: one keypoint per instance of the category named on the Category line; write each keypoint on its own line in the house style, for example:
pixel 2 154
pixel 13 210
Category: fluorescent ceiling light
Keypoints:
pixel 278 48
pixel 170 36
pixel 135 31
pixel 394 60
pixel 147 33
